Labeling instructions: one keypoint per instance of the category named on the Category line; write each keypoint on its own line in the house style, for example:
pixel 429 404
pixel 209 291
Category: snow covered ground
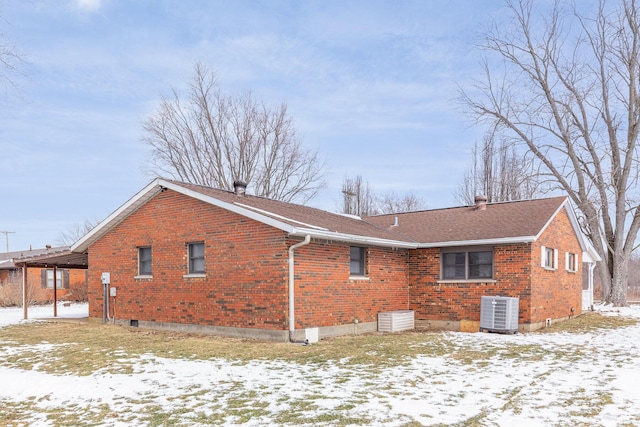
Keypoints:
pixel 531 380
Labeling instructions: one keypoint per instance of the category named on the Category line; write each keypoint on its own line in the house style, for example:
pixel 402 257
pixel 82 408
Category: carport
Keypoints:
pixel 57 258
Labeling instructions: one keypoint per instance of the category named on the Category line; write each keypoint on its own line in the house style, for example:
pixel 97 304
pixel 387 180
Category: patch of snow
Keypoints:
pixel 12 315
pixel 553 378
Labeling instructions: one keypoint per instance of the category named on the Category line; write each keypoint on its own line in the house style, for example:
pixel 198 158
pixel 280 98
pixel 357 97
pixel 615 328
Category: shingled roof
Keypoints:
pixel 296 220
pixel 498 222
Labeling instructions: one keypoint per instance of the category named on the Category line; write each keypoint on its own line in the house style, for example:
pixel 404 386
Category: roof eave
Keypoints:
pixel 148 192
pixel 479 242
pixel 131 205
pixel 352 238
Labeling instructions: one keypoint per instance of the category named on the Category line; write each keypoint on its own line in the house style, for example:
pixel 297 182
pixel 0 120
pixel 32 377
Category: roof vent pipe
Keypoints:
pixel 395 221
pixel 481 203
pixel 239 187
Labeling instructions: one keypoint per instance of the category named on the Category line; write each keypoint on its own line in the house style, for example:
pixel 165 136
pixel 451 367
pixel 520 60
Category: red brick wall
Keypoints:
pixel 326 296
pixel 517 272
pixel 432 299
pixel 245 284
pixel 246 265
pixel 556 291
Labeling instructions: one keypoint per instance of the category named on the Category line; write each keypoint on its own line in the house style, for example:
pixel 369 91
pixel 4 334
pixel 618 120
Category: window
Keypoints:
pixel 196 258
pixel 549 258
pixel 144 261
pixel 467 265
pixel 571 262
pixel 62 279
pixel 356 264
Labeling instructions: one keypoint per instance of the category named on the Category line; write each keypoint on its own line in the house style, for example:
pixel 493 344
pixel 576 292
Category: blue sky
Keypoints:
pixel 371 86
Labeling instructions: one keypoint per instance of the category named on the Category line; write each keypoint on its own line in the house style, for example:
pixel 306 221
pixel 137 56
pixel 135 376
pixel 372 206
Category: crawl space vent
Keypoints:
pixel 394 321
pixel 499 314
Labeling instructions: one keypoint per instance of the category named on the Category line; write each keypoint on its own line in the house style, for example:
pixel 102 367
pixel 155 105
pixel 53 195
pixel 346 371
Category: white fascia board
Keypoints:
pixel 352 238
pixel 158 184
pixel 563 205
pixel 585 244
pixel 481 242
pixel 140 198
pixel 590 252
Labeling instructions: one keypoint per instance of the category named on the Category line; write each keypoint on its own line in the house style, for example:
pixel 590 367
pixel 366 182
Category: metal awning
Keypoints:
pixel 53 258
pixel 61 259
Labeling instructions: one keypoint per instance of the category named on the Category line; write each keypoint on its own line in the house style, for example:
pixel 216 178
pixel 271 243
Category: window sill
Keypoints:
pixel 550 268
pixel 195 276
pixel 467 281
pixel 143 276
pixel 572 271
pixel 358 278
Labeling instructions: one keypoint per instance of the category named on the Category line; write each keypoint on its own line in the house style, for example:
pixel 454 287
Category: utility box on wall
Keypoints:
pixel 499 314
pixel 394 321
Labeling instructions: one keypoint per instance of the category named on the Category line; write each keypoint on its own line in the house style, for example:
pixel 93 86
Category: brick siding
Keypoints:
pixel 246 264
pixel 517 273
pixel 246 274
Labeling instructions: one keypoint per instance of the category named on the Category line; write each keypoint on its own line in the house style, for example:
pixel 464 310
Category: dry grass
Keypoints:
pixel 589 322
pixel 85 348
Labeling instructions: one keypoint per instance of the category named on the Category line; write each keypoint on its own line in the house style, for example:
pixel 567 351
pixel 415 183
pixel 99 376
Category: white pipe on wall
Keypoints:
pixel 292 311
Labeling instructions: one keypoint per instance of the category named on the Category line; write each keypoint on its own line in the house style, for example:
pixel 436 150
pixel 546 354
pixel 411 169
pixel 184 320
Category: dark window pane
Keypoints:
pixel 196 257
pixel 480 257
pixel 356 264
pixel 453 265
pixel 480 265
pixel 144 261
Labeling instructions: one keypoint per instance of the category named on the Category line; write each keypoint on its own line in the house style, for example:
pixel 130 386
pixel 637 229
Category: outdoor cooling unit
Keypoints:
pixel 499 314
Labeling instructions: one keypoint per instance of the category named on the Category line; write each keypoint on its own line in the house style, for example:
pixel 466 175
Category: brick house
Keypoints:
pixel 40 278
pixel 193 258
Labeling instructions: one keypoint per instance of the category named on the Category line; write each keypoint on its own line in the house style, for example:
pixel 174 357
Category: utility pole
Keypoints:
pixel 6 237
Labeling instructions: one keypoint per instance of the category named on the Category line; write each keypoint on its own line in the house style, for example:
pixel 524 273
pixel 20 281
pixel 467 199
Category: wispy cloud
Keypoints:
pixel 88 5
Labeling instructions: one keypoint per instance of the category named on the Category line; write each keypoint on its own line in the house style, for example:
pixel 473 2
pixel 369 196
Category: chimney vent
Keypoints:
pixel 239 187
pixel 481 203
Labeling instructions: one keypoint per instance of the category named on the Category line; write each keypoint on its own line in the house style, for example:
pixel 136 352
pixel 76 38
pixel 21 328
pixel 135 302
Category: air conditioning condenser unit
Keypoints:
pixel 499 314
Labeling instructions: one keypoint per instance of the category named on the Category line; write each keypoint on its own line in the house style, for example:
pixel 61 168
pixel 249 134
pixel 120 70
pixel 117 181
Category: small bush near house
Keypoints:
pixel 78 291
pixel 11 292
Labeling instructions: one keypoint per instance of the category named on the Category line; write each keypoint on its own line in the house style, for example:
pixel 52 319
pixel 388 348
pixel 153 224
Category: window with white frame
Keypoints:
pixel 549 258
pixel 196 257
pixel 144 261
pixel 357 261
pixel 62 279
pixel 571 262
pixel 467 265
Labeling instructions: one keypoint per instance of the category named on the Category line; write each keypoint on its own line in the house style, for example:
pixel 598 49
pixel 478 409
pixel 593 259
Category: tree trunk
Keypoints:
pixel 619 281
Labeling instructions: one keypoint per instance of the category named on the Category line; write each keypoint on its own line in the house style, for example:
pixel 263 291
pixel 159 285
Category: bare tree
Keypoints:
pixel 212 138
pixel 567 88
pixel 359 198
pixel 75 232
pixel 11 61
pixel 499 172
pixel 393 202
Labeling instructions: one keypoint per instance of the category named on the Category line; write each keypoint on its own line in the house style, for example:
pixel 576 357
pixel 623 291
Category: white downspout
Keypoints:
pixel 292 311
